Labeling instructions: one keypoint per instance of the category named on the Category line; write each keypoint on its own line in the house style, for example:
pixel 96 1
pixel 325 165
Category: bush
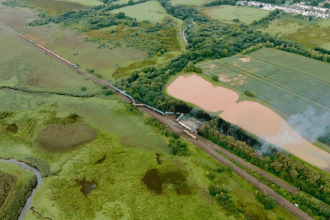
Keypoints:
pixel 268 202
pixel 250 93
pixel 109 92
pixel 121 15
pixel 83 88
pixel 179 148
pixel 215 78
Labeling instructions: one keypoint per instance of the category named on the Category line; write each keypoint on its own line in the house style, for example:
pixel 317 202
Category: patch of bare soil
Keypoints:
pixel 244 59
pixel 12 128
pixel 61 138
pixel 87 187
pixel 153 181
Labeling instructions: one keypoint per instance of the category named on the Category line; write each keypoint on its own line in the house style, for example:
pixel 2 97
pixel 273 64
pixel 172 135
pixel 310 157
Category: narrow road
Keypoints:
pixel 205 145
pixel 184 36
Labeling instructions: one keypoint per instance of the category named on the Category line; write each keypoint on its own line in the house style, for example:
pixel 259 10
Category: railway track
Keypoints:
pixel 208 147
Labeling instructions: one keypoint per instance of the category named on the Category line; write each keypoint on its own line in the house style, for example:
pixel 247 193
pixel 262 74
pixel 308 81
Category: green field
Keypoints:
pixel 15 186
pixel 190 2
pixel 285 25
pixel 54 6
pixel 227 13
pixel 116 160
pixel 316 35
pixel 151 11
pixel 86 2
pixel 22 66
pixel 281 79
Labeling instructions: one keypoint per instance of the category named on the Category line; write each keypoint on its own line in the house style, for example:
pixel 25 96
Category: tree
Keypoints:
pixel 326 5
pixel 83 88
pixel 121 15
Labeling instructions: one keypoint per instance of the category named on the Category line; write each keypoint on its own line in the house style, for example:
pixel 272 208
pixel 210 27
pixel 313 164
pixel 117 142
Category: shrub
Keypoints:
pixel 250 93
pixel 215 78
pixel 83 88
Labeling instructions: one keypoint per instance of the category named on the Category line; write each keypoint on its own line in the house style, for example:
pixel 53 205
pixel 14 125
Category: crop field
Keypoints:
pixel 285 25
pixel 24 66
pixel 316 35
pixel 151 11
pixel 121 161
pixel 227 13
pixel 190 2
pixel 284 87
pixel 15 186
pixel 54 6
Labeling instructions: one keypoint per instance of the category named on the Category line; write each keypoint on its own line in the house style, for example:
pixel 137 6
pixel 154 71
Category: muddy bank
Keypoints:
pixel 251 116
pixel 39 181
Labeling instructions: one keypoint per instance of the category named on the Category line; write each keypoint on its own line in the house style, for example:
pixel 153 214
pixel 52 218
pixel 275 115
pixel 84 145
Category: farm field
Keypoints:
pixel 70 45
pixel 86 2
pixel 116 161
pixel 285 25
pixel 316 35
pixel 55 7
pixel 272 83
pixel 227 13
pixel 190 2
pixel 15 186
pixel 151 10
pixel 26 67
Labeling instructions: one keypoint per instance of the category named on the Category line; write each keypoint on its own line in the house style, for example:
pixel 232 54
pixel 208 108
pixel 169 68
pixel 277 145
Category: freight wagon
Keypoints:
pixel 190 134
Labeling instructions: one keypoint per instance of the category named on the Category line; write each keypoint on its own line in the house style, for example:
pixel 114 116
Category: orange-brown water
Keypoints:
pixel 251 116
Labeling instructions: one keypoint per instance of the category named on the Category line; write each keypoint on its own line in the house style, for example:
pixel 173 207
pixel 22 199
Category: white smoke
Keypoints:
pixel 310 125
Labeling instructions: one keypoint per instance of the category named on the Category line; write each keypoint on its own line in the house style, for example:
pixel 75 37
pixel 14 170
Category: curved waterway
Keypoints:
pixel 39 181
pixel 251 116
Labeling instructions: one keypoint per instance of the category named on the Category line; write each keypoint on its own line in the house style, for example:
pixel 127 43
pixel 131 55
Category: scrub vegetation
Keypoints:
pixel 16 185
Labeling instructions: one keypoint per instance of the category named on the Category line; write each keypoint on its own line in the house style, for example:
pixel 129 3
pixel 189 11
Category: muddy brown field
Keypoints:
pixel 60 138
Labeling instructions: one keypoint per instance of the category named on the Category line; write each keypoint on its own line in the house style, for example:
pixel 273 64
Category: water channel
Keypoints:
pixel 39 181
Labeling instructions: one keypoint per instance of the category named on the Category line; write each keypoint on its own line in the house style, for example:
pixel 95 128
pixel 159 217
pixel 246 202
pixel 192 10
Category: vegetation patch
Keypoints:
pixel 61 138
pixel 12 128
pixel 87 186
pixel 16 185
pixel 152 180
pixel 315 35
pixel 190 2
pixel 55 7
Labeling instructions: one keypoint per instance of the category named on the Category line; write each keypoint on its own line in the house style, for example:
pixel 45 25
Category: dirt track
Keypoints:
pixel 205 145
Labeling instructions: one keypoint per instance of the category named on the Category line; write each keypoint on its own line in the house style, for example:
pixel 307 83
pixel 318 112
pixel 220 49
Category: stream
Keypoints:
pixel 39 181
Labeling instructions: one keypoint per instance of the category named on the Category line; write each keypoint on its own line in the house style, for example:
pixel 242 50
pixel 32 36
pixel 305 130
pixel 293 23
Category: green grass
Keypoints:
pixel 23 66
pixel 190 2
pixel 151 11
pixel 16 184
pixel 86 2
pixel 54 6
pixel 285 25
pixel 129 146
pixel 227 13
pixel 286 90
pixel 316 35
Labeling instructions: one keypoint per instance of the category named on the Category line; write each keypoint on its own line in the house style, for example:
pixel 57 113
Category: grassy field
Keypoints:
pixel 56 7
pixel 316 35
pixel 116 160
pixel 23 66
pixel 227 13
pixel 283 87
pixel 86 2
pixel 285 25
pixel 70 45
pixel 15 187
pixel 151 11
pixel 190 2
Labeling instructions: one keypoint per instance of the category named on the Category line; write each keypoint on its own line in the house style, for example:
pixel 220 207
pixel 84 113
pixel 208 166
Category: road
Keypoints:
pixel 202 143
pixel 184 36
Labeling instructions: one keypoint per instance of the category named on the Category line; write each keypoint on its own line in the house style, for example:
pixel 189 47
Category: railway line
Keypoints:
pixel 208 147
